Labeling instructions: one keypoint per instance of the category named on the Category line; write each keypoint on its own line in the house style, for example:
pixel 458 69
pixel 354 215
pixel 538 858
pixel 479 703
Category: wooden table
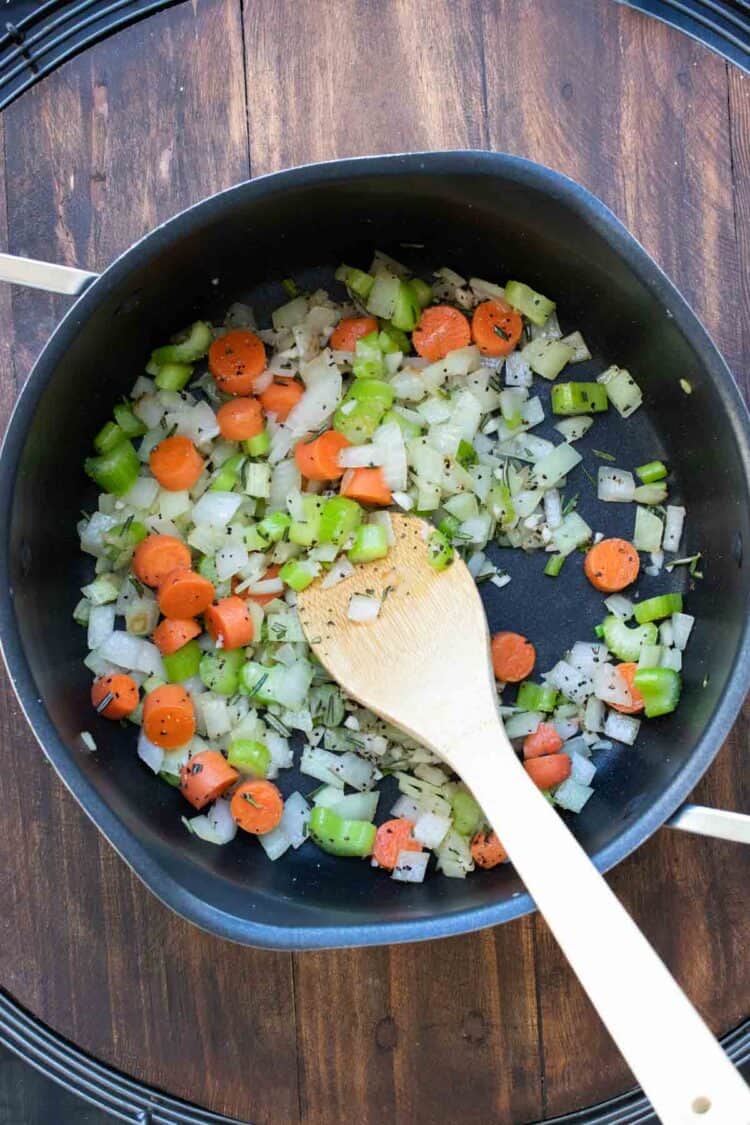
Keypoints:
pixel 484 1028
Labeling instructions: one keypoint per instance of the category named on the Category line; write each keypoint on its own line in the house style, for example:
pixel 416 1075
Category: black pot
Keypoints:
pixel 481 213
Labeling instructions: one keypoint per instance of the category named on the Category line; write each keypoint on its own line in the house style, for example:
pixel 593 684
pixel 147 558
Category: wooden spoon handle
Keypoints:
pixel 674 1056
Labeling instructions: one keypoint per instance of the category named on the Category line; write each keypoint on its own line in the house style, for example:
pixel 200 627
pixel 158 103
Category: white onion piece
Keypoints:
pixel 101 624
pixel 363 608
pixel 582 768
pixel 262 382
pixel 216 509
pixel 267 586
pixel 620 606
pixel 221 820
pixel 360 457
pixel 230 561
pixel 623 728
pixel 431 829
pixel 274 843
pixel 615 484
pixel 673 527
pixel 574 684
pixel 593 718
pixel 571 795
pixel 552 508
pixel 312 411
pixel 682 624
pixel 610 686
pixel 149 753
pixel 404 806
pixel 295 819
pixel 586 656
pixel 410 867
pixel 340 570
pixel 87 740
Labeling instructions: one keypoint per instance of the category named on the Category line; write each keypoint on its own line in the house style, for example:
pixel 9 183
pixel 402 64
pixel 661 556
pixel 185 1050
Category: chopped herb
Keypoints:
pixel 588 475
pixel 276 723
pixel 290 287
pixel 687 387
pixel 570 505
pixel 603 455
pixel 257 686
pixel 250 799
pixel 499 331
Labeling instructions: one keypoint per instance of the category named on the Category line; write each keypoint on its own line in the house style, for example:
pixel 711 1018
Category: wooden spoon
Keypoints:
pixel 423 664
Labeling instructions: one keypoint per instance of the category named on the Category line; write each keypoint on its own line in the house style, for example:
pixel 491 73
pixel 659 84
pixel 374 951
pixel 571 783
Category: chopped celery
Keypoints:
pixel 500 504
pixel 536 697
pixel 578 398
pixel 220 670
pixel 357 421
pixel 653 609
pixel 547 357
pixel 369 392
pixel 449 526
pixel 650 493
pixel 193 347
pixel 338 519
pixel 228 474
pixel 466 454
pixel 652 472
pixel 207 568
pixel 254 541
pixel 660 688
pixel 533 305
pixel 257 479
pixel 439 550
pixel 108 437
pixel 173 376
pixel 249 756
pixel 407 309
pixel 370 543
pixel 408 428
pixel 299 573
pixel 422 291
pixel 306 530
pixel 127 421
pixel 391 340
pixel 115 471
pixel 259 445
pixel 554 565
pixel 290 287
pixel 273 527
pixel 122 540
pixel 341 837
pixel 467 815
pixel 624 642
pixel 359 282
pixel 648 530
pixel 184 663
pixel 368 358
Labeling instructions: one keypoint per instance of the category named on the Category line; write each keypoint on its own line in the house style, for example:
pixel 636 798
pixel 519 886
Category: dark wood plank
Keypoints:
pixel 124 136
pixel 430 1022
pixel 642 121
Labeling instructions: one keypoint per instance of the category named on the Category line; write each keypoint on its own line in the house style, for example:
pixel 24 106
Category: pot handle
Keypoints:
pixel 712 822
pixel 44 275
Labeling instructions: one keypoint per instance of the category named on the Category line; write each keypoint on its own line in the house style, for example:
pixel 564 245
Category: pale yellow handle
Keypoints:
pixel 669 1048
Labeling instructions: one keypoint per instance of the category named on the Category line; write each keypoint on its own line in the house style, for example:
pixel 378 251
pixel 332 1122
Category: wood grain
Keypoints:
pixel 484 1028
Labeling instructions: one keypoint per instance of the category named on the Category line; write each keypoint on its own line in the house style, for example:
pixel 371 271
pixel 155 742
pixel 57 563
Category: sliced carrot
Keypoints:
pixel 168 716
pixel 611 565
pixel 176 463
pixel 261 599
pixel 257 806
pixel 496 327
pixel 548 771
pixel 240 419
pixel 319 459
pixel 229 623
pixel 346 333
pixel 205 776
pixel 156 555
pixel 115 695
pixel 392 837
pixel 487 851
pixel 628 671
pixel 368 486
pixel 173 632
pixel 183 593
pixel 441 329
pixel 544 740
pixel 513 657
pixel 281 398
pixel 236 360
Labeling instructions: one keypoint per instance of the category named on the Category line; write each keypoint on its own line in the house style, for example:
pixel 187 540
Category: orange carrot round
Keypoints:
pixel 205 776
pixel 120 693
pixel 257 806
pixel 281 398
pixel 548 771
pixel 240 419
pixel 487 851
pixel 183 593
pixel 441 329
pixel 236 360
pixel 496 327
pixel 346 333
pixel 392 837
pixel 319 459
pixel 628 671
pixel 229 623
pixel 261 599
pixel 173 632
pixel 168 716
pixel 611 565
pixel 513 657
pixel 176 463
pixel 368 486
pixel 544 740
pixel 156 555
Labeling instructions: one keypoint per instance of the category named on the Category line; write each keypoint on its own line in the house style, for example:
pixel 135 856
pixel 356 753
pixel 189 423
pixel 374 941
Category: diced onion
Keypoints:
pixel 682 624
pixel 673 527
pixel 295 818
pixel 610 686
pixel 149 753
pixel 623 728
pixel 363 608
pixel 620 606
pixel 411 867
pixel 615 484
pixel 571 795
